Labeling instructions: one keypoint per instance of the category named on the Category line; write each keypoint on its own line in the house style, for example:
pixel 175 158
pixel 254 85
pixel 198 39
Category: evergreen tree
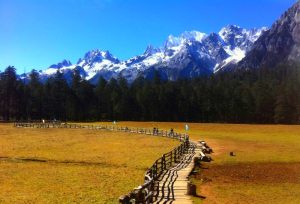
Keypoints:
pixel 102 99
pixel 59 93
pixel 282 109
pixel 9 97
pixel 264 102
pixel 35 97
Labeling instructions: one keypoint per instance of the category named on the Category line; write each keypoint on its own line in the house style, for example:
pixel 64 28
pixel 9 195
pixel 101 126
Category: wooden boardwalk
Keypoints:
pixel 167 180
pixel 173 185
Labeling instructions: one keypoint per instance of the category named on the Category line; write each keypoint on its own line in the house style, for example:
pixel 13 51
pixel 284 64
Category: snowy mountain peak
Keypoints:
pixel 236 36
pixel 230 29
pixel 194 36
pixel 238 32
pixel 279 45
pixel 95 56
pixel 232 32
pixel 187 36
pixel 173 41
pixel 255 33
pixel 64 63
pixel 150 50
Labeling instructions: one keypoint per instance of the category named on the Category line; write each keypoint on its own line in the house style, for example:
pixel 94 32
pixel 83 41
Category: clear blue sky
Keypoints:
pixel 38 33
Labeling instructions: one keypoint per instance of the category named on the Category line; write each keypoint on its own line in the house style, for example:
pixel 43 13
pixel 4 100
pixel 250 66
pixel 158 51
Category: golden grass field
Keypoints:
pixel 81 166
pixel 264 170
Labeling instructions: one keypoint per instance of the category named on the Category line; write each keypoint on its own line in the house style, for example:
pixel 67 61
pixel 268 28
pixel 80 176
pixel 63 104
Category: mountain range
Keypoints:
pixel 278 45
pixel 194 53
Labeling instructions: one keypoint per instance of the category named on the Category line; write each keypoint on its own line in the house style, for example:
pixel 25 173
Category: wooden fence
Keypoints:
pixel 149 191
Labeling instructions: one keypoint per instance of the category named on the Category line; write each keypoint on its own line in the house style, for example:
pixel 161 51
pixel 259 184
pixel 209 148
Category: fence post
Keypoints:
pixel 164 162
pixel 171 158
pixel 155 171
pixel 124 199
pixel 175 155
pixel 139 195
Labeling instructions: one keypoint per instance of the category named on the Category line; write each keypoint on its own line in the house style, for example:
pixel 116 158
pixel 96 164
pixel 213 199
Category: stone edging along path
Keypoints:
pixel 166 181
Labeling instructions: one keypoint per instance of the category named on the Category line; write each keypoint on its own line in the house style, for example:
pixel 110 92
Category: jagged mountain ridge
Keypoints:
pixel 280 44
pixel 189 55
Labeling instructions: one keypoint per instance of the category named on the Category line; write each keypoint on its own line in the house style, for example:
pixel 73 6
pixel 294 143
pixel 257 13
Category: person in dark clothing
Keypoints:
pixel 171 132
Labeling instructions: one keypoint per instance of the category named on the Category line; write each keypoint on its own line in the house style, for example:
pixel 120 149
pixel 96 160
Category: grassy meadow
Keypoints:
pixel 265 168
pixel 73 165
pixel 90 166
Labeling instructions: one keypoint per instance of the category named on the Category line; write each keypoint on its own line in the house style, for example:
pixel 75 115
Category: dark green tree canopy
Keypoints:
pixel 265 95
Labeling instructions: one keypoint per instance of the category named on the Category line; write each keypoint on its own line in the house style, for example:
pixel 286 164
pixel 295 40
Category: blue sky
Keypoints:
pixel 37 33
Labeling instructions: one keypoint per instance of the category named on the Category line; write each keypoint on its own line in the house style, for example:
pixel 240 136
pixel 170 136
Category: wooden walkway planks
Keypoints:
pixel 180 185
pixel 173 185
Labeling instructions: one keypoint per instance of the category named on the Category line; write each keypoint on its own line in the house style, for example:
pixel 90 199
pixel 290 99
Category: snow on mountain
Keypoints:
pixel 235 55
pixel 279 45
pixel 64 63
pixel 238 41
pixel 184 37
pixel 189 55
pixel 236 36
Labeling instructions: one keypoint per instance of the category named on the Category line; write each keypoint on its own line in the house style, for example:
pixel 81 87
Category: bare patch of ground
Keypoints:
pixel 251 172
pixel 249 183
pixel 260 172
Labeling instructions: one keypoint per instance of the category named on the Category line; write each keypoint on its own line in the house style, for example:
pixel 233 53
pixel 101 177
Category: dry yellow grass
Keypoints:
pixel 82 166
pixel 264 170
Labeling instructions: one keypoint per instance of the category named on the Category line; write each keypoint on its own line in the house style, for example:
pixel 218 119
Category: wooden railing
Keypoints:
pixel 149 191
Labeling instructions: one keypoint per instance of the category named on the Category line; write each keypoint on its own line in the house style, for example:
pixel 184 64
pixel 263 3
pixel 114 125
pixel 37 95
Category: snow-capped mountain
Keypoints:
pixel 64 63
pixel 238 42
pixel 189 55
pixel 279 45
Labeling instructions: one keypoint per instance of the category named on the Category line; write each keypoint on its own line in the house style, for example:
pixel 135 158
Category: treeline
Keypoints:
pixel 256 96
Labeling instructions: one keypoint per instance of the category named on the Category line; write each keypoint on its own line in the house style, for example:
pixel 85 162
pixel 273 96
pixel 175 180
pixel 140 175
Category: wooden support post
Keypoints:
pixel 164 162
pixel 191 189
pixel 138 195
pixel 171 161
pixel 124 199
pixel 155 171
pixel 175 156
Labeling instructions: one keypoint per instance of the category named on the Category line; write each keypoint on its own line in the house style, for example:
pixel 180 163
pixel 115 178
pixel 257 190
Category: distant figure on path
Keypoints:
pixel 171 132
pixel 154 131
